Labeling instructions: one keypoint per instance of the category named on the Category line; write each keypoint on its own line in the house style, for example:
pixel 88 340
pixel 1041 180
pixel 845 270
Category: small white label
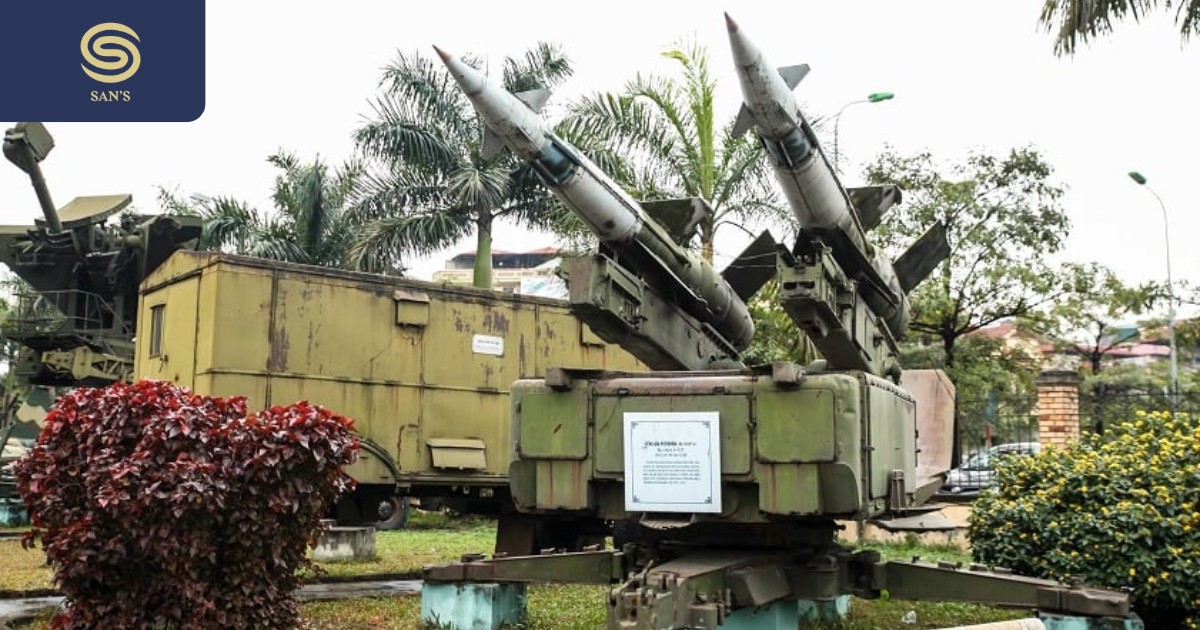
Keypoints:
pixel 487 344
pixel 672 461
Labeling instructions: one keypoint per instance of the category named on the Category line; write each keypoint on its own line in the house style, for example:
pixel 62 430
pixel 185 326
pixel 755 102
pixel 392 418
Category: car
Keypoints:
pixel 978 471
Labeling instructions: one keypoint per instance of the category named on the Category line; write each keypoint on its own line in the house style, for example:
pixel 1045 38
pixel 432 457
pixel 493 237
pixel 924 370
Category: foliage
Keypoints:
pixel 160 508
pixel 660 139
pixel 1081 20
pixel 1087 316
pixel 431 184
pixel 983 368
pixel 776 336
pixel 1119 509
pixel 1002 216
pixel 312 221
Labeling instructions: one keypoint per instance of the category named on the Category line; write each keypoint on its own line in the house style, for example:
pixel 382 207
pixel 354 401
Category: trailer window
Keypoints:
pixel 157 319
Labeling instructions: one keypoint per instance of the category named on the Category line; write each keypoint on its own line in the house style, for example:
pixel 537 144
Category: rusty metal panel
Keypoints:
pixel 240 332
pixel 457 414
pixel 279 332
pixel 176 360
pixel 458 454
pixel 733 410
pixel 790 489
pixel 562 485
pixel 412 308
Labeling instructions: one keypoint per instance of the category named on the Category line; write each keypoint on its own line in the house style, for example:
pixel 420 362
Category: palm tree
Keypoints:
pixel 432 184
pixel 311 222
pixel 1083 19
pixel 660 140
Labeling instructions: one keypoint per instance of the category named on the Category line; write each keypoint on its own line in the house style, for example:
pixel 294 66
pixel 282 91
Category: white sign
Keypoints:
pixel 487 344
pixel 673 461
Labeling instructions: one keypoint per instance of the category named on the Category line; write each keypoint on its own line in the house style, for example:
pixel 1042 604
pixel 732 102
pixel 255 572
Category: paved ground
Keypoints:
pixel 14 610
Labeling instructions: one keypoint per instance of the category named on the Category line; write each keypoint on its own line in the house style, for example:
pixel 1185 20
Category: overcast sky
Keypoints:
pixel 967 75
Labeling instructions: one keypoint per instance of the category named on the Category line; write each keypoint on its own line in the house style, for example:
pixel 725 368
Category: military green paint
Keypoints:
pixel 734 410
pixel 779 416
pixel 554 426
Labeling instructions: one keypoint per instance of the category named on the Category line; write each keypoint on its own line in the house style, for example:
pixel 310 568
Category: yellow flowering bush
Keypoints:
pixel 1120 509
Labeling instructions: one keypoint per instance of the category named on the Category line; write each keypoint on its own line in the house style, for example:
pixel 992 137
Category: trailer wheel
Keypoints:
pixel 393 513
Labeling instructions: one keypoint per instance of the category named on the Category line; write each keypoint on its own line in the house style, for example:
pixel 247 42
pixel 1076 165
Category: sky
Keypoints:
pixel 967 75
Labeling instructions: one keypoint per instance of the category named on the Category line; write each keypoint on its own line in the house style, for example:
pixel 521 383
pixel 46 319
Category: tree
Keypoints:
pixel 660 139
pixel 1002 218
pixel 1088 317
pixel 1077 20
pixel 312 221
pixel 431 183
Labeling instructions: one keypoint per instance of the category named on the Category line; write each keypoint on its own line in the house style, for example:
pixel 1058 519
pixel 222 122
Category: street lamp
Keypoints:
pixel 1141 180
pixel 876 97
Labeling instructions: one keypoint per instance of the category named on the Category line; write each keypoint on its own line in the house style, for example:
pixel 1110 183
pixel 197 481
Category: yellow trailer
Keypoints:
pixel 424 369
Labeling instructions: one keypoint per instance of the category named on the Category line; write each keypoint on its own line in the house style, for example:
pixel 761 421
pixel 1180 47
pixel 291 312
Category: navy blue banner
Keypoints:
pixel 102 60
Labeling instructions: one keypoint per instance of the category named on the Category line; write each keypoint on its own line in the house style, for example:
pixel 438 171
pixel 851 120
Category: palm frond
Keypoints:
pixel 382 243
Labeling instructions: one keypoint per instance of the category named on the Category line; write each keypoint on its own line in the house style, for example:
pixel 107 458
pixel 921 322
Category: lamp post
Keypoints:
pixel 875 97
pixel 1141 180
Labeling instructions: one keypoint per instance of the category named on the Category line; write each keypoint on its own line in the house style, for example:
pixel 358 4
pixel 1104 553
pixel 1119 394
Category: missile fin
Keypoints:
pixel 492 144
pixel 534 99
pixel 872 202
pixel 792 75
pixel 679 216
pixel 915 264
pixel 745 121
pixel 753 267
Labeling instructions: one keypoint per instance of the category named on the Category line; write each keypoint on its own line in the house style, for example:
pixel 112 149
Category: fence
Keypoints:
pixel 1057 414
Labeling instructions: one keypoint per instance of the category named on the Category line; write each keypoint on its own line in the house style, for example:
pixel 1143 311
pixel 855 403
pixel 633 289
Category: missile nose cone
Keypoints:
pixel 469 79
pixel 745 53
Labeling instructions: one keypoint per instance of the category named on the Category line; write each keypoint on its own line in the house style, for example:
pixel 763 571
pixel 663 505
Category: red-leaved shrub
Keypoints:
pixel 159 508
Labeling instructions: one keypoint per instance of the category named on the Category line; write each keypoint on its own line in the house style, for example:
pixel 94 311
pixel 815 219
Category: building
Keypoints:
pixel 529 273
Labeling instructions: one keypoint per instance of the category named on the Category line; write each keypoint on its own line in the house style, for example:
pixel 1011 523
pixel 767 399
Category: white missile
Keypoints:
pixel 817 198
pixel 614 216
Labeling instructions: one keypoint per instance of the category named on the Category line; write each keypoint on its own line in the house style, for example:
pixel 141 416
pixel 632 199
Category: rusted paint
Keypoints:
pixel 280 346
pixel 522 368
pixel 495 321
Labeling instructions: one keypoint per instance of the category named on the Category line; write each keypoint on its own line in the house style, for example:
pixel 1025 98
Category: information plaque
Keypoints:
pixel 672 461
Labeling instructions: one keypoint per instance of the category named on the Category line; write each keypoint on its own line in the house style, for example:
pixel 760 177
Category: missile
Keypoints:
pixel 620 222
pixel 817 198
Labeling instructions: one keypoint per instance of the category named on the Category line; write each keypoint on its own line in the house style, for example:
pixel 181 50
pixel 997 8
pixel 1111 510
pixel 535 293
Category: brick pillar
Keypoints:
pixel 1058 407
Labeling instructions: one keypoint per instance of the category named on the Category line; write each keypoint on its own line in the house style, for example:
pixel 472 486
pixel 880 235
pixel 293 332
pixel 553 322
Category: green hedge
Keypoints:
pixel 1121 509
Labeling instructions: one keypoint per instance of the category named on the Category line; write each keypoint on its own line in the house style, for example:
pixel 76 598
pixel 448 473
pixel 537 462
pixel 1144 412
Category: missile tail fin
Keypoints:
pixel 792 75
pixel 753 268
pixel 915 264
pixel 872 202
pixel 679 216
pixel 534 99
pixel 745 121
pixel 492 144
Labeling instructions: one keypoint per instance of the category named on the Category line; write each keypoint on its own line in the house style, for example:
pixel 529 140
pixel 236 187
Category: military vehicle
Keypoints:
pixel 75 325
pixel 424 369
pixel 81 265
pixel 733 477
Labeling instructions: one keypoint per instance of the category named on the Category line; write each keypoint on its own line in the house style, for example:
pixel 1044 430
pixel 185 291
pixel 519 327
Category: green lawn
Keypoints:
pixel 433 538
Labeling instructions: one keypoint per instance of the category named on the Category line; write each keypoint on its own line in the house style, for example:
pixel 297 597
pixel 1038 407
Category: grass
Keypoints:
pixel 433 538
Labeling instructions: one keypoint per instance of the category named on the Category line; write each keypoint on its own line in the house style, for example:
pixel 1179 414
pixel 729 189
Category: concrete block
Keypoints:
pixel 345 544
pixel 782 615
pixel 472 606
pixel 824 610
pixel 1062 622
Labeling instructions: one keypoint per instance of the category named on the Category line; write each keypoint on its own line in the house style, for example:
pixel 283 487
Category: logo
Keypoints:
pixel 114 57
